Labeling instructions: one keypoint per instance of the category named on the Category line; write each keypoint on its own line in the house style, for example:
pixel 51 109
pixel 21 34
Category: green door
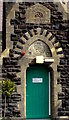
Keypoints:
pixel 37 92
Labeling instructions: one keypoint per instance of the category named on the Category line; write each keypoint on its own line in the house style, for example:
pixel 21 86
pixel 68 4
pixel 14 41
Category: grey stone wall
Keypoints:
pixel 0 73
pixel 60 29
pixel 1 15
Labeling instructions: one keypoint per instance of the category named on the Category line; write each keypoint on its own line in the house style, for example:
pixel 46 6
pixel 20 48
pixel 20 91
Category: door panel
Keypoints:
pixel 37 92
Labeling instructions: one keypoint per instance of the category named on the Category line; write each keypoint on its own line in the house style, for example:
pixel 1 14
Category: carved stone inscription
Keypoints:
pixel 38 48
pixel 38 14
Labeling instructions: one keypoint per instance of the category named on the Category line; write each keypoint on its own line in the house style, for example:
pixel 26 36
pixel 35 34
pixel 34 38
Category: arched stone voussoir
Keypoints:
pixel 23 39
pixel 49 35
pixel 54 46
pixel 44 32
pixel 57 44
pixel 32 32
pixel 43 39
pixel 38 31
pixel 60 52
pixel 28 35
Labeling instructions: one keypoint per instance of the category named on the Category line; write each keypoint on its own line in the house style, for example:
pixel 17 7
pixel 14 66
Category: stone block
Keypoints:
pixel 17 31
pixel 61 96
pixel 63 61
pixel 60 68
pixel 17 14
pixel 62 113
pixel 11 74
pixel 67 103
pixel 14 37
pixel 61 109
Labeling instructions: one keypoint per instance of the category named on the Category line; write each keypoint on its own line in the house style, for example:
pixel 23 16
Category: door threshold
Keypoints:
pixel 39 119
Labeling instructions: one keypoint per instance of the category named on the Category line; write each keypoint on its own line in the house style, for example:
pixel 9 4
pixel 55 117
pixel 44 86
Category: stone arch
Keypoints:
pixel 29 37
pixel 57 53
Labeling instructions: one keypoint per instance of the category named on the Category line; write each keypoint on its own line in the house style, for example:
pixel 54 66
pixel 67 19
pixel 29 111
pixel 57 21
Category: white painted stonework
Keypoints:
pixel 39 59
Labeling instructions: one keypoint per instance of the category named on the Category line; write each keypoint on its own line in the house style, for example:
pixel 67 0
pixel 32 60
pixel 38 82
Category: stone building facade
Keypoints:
pixel 36 33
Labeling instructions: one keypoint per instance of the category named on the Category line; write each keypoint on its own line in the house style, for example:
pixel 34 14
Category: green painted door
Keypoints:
pixel 37 92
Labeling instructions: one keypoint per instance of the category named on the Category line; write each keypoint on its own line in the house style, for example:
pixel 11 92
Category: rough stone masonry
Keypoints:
pixel 19 23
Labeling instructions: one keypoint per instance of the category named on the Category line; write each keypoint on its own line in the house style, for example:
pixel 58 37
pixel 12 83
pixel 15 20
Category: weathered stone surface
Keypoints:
pixel 59 29
pixel 40 14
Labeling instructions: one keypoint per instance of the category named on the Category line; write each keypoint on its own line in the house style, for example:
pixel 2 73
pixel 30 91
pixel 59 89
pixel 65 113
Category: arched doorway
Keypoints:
pixel 37 92
pixel 44 45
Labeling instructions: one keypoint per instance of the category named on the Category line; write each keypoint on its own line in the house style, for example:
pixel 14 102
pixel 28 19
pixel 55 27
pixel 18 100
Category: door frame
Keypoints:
pixel 49 95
